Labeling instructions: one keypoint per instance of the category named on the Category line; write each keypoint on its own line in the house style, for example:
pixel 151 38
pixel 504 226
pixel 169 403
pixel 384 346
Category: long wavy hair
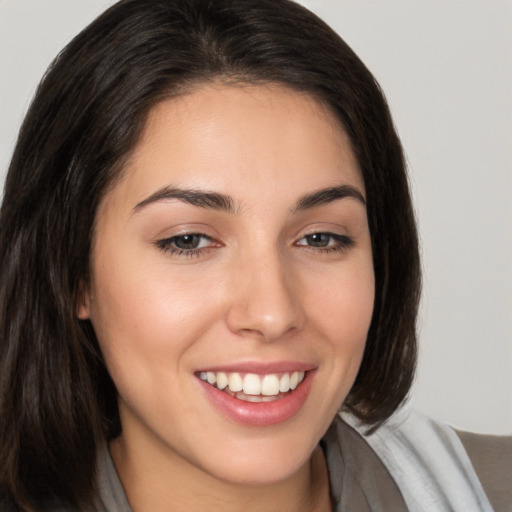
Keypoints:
pixel 57 401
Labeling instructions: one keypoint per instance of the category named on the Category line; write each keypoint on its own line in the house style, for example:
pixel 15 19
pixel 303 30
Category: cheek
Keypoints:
pixel 342 313
pixel 144 313
pixel 344 305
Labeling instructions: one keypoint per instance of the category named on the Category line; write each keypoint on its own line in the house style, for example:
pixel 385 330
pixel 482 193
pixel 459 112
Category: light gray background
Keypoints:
pixel 446 68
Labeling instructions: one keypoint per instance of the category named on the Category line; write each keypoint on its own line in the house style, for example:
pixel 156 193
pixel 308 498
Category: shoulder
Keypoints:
pixel 491 457
pixel 431 466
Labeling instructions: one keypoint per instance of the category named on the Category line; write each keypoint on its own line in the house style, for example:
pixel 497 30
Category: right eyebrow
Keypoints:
pixel 328 195
pixel 203 199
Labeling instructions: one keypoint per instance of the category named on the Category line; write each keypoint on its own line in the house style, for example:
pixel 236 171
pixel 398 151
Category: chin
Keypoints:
pixel 261 463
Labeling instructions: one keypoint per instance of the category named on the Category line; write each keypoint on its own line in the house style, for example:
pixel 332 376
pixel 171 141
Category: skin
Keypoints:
pixel 258 289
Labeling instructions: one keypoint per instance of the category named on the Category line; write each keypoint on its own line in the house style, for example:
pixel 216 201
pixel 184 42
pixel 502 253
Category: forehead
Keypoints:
pixel 241 138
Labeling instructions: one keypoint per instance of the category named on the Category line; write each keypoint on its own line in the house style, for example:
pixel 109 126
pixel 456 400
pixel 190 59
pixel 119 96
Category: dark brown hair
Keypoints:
pixel 57 402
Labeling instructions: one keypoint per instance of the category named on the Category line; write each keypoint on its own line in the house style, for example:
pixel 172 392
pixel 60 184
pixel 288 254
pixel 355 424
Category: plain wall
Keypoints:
pixel 446 69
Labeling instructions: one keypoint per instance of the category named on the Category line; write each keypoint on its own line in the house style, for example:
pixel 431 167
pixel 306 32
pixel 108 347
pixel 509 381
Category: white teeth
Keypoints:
pixel 284 383
pixel 235 382
pixel 252 384
pixel 255 398
pixel 294 380
pixel 259 387
pixel 222 380
pixel 270 385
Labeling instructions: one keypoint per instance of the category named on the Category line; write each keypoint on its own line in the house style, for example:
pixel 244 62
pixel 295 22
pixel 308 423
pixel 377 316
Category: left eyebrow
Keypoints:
pixel 327 195
pixel 202 199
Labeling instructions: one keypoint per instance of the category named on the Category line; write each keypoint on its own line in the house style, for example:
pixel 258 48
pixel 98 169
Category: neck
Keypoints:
pixel 180 486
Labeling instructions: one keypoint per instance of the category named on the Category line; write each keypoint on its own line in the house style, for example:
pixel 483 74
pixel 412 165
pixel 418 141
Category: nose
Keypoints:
pixel 265 299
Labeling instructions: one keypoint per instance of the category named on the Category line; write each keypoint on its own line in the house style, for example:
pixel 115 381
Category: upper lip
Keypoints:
pixel 260 368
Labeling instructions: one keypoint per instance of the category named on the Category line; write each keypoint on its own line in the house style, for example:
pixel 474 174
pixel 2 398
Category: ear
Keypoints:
pixel 83 303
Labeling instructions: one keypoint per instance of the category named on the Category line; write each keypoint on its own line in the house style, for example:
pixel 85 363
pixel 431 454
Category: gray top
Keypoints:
pixel 358 479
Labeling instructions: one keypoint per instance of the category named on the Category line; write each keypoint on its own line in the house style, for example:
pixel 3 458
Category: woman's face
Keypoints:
pixel 234 253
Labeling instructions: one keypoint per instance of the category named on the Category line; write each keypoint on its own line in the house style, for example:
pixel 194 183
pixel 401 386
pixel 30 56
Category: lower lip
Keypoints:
pixel 260 413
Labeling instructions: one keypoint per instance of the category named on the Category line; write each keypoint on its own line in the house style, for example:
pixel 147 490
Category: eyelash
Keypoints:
pixel 167 246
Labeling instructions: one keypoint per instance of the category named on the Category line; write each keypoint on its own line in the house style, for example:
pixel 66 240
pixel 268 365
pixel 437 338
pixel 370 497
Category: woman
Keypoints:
pixel 207 249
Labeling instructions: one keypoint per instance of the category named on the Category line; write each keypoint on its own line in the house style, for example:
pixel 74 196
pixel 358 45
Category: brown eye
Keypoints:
pixel 192 241
pixel 326 242
pixel 318 239
pixel 188 244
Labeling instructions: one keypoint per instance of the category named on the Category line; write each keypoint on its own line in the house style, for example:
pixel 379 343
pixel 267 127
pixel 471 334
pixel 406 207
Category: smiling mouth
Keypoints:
pixel 251 387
